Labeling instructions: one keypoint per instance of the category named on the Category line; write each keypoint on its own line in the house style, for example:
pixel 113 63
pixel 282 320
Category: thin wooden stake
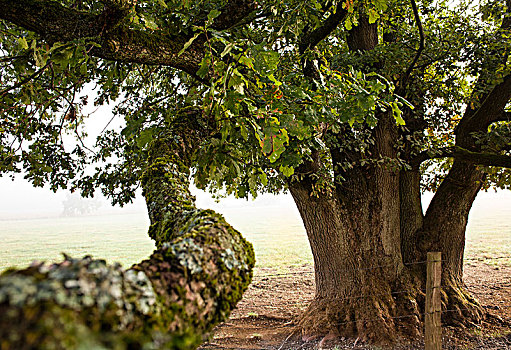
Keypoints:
pixel 433 332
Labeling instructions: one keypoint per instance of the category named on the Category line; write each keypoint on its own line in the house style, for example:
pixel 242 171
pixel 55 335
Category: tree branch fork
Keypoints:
pixel 476 158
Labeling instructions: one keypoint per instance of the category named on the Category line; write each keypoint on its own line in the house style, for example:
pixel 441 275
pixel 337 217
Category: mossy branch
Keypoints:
pixel 170 301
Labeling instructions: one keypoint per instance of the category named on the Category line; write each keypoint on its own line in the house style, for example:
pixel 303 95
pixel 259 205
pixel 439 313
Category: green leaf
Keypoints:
pixel 23 43
pixel 188 43
pixel 397 114
pixel 287 171
pixel 267 144
pixel 263 178
pixel 275 81
pixel 348 24
pixel 236 81
pixel 244 132
pixel 266 62
pixel 227 49
pixel 83 69
pixel 204 67
pixel 247 61
pixel 163 3
pixel 373 16
pixel 150 23
pixel 213 14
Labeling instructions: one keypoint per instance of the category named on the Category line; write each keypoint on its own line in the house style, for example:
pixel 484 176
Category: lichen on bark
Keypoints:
pixel 171 300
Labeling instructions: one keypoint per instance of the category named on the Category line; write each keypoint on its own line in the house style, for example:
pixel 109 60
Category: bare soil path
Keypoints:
pixel 264 317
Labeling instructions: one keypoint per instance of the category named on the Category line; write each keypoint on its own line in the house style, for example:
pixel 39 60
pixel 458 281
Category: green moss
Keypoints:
pixel 171 300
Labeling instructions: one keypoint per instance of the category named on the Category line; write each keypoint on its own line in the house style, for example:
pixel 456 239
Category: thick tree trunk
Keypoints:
pixel 444 228
pixel 362 284
pixel 368 252
pixel 171 300
pixel 358 269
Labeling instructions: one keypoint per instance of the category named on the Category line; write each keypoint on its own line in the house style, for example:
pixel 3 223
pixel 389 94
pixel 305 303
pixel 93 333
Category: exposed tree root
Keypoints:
pixel 460 307
pixel 377 319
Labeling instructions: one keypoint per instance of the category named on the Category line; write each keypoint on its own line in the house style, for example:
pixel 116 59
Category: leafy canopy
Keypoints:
pixel 255 112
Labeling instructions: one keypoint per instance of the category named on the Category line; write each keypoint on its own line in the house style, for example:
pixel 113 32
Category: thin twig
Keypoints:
pixel 287 338
pixel 421 42
pixel 10 58
pixel 26 80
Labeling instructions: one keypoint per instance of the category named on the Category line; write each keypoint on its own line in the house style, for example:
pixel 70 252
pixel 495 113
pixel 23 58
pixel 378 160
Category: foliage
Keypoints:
pixel 259 114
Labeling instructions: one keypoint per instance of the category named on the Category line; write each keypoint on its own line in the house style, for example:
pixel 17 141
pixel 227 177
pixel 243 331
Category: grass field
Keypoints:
pixel 275 230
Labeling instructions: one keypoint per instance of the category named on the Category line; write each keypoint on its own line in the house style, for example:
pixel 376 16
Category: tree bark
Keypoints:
pixel 362 284
pixel 444 229
pixel 171 300
pixel 118 42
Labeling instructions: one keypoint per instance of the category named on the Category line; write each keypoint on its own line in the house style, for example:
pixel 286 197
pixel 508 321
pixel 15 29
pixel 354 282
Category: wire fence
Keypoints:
pixel 374 267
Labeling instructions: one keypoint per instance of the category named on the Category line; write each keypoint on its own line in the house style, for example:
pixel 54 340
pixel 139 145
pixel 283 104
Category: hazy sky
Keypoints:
pixel 19 199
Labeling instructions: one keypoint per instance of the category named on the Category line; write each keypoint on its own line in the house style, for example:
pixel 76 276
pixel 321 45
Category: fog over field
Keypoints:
pixel 33 227
pixel 20 200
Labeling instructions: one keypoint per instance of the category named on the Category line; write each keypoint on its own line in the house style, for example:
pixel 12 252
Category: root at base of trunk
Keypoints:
pixel 461 308
pixel 386 319
pixel 378 320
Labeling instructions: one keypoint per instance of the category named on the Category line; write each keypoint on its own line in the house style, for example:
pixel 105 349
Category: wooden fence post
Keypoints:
pixel 433 313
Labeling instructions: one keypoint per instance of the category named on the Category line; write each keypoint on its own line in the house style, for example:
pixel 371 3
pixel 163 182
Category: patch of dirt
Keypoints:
pixel 264 318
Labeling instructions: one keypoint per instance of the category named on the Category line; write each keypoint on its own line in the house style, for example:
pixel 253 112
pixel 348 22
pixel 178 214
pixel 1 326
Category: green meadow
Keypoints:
pixel 276 232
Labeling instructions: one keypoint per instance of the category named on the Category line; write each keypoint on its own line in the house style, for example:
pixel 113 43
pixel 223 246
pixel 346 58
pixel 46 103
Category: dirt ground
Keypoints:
pixel 264 317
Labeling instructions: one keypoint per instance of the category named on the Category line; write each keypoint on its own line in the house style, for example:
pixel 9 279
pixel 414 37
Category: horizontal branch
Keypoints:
pixel 50 19
pixel 171 300
pixel 477 158
pixel 55 22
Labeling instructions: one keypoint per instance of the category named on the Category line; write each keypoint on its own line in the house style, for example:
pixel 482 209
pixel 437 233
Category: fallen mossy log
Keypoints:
pixel 172 300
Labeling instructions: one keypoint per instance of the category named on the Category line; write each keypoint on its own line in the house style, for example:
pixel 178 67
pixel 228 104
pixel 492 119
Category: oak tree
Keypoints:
pixel 355 107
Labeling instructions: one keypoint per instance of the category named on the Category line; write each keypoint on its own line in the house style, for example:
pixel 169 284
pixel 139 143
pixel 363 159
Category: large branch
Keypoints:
pixel 476 158
pixel 314 37
pixel 169 301
pixel 50 19
pixel 491 110
pixel 55 22
pixel 492 102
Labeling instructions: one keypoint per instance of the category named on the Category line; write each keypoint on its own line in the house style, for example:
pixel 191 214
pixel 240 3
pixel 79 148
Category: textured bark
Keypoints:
pixel 411 213
pixel 118 42
pixel 171 300
pixel 444 230
pixel 447 215
pixel 370 236
pixel 364 36
pixel 354 235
